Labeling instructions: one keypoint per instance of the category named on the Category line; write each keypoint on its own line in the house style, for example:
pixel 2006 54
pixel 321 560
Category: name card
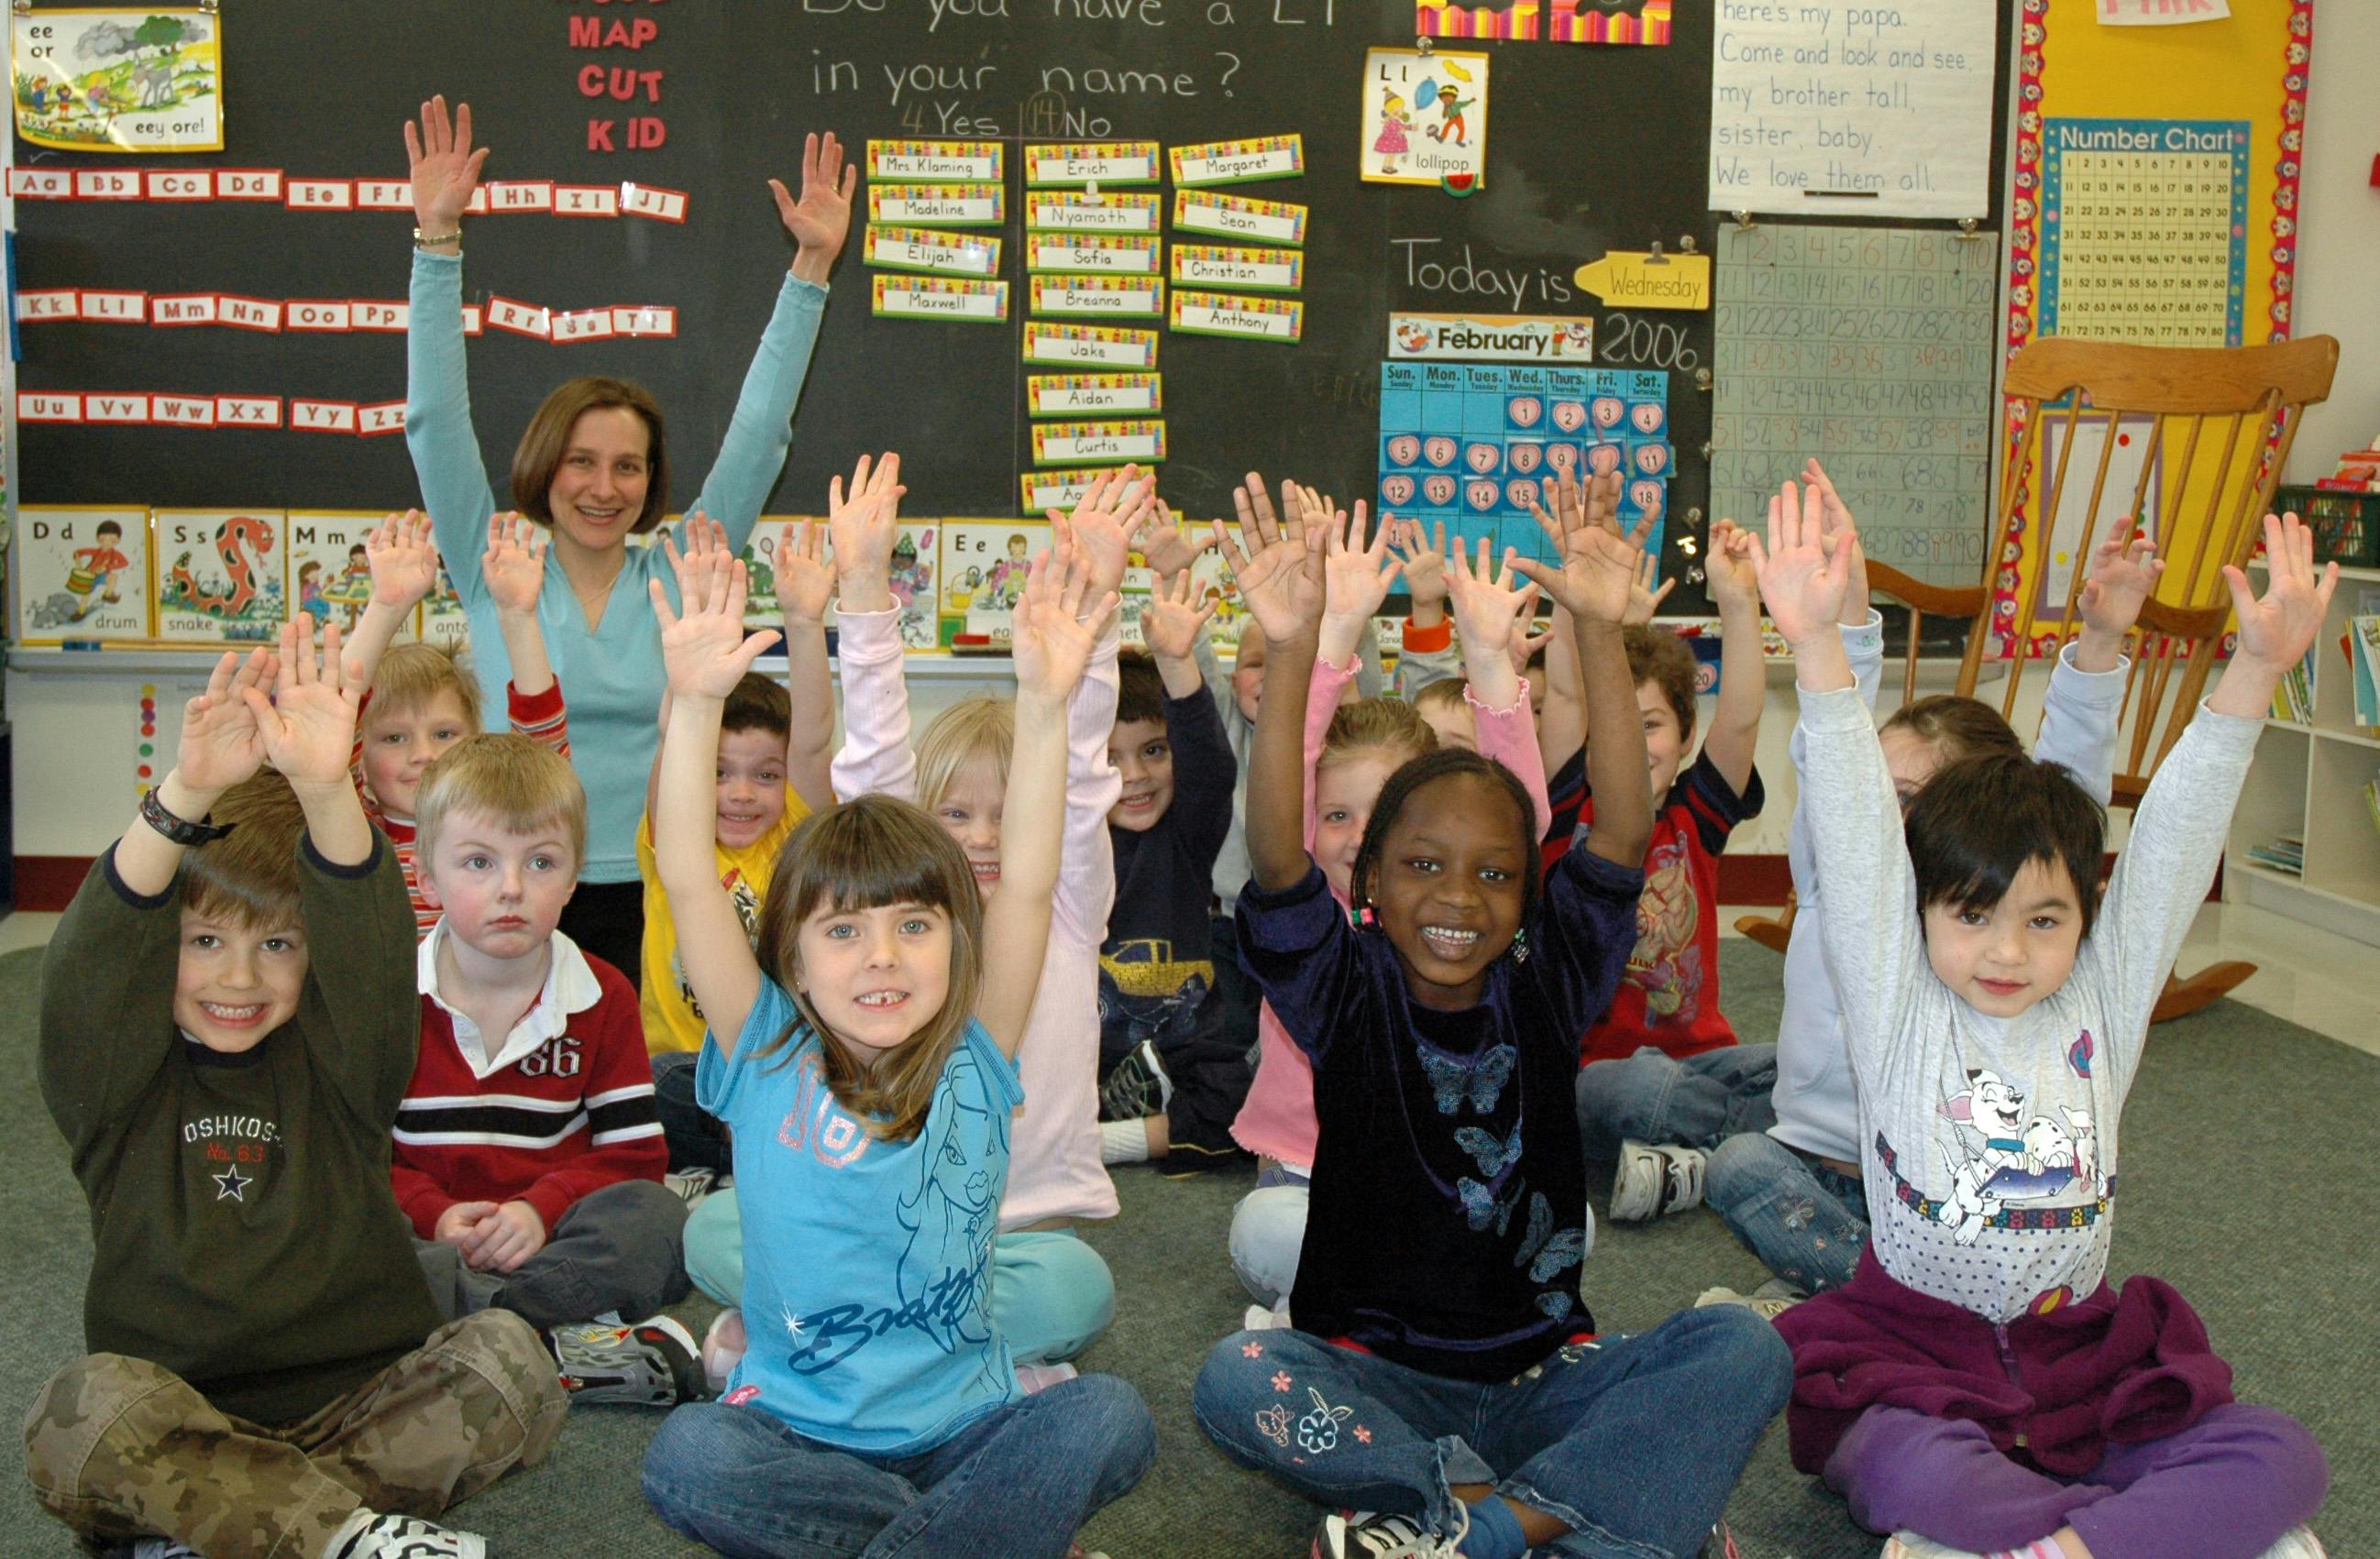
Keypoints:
pixel 1239 161
pixel 1126 212
pixel 973 162
pixel 946 205
pixel 941 297
pixel 1093 253
pixel 1102 162
pixel 1110 443
pixel 1257 319
pixel 1226 265
pixel 1133 297
pixel 1091 346
pixel 918 248
pixel 1075 394
pixel 1234 217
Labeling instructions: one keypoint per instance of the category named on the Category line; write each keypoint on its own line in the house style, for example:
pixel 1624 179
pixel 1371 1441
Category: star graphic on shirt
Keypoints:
pixel 794 1325
pixel 231 1183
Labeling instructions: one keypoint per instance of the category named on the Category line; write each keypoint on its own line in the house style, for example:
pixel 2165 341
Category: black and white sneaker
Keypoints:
pixel 1363 1535
pixel 650 1364
pixel 1137 1088
pixel 1653 1179
pixel 406 1537
pixel 164 1548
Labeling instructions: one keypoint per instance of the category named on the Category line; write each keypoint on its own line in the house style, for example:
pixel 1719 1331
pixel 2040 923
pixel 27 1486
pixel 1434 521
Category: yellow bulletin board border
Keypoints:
pixel 2089 71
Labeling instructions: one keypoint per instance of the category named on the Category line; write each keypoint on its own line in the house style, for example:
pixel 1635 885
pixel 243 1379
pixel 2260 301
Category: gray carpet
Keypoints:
pixel 2239 1123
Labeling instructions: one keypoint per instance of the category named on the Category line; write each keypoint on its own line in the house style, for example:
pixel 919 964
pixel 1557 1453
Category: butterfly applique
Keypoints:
pixel 1480 1206
pixel 1546 1251
pixel 1481 1077
pixel 1555 1305
pixel 1491 1155
pixel 2078 1055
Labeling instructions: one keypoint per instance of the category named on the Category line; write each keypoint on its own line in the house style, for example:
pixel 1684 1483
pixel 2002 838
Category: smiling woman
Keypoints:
pixel 593 469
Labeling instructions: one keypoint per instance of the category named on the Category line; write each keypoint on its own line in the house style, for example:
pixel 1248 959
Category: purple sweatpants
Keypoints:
pixel 2226 1488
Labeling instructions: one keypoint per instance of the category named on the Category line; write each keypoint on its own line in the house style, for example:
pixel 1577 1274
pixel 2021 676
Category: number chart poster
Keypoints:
pixel 2144 230
pixel 1870 348
pixel 1474 444
pixel 118 79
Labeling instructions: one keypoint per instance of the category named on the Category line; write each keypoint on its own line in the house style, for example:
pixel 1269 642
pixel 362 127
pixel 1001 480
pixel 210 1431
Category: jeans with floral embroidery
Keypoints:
pixel 1804 1221
pixel 1634 1441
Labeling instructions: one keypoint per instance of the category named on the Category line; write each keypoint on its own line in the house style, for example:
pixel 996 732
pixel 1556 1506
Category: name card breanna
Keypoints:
pixel 1094 213
pixel 916 248
pixel 1226 265
pixel 1233 216
pixel 1129 297
pixel 1101 161
pixel 1258 319
pixel 1089 346
pixel 1239 161
pixel 972 162
pixel 1078 394
pixel 1093 253
pixel 961 298
pixel 1097 443
pixel 946 205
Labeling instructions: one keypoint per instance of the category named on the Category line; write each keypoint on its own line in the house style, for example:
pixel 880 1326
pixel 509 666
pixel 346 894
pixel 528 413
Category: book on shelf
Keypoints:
pixel 2363 644
pixel 2371 800
pixel 2293 699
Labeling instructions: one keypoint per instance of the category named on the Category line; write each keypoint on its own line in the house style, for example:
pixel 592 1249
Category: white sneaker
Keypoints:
pixel 406 1537
pixel 2297 1543
pixel 1361 1535
pixel 1266 1318
pixel 651 1364
pixel 1651 1179
pixel 1768 1302
pixel 164 1548
pixel 690 1185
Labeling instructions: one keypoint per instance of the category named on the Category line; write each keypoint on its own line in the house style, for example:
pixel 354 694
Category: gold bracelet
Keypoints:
pixel 423 240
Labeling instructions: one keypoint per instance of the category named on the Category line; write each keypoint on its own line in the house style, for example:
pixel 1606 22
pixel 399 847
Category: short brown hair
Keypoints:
pixel 518 784
pixel 865 854
pixel 1448 691
pixel 547 439
pixel 248 876
pixel 1661 657
pixel 756 703
pixel 410 675
pixel 1958 728
pixel 1140 692
pixel 972 728
pixel 1372 724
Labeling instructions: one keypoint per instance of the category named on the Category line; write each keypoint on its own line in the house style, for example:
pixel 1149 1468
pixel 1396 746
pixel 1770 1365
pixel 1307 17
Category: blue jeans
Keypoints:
pixel 697 1139
pixel 1804 1221
pixel 1697 1103
pixel 1051 1295
pixel 1634 1442
pixel 1268 1234
pixel 1015 1481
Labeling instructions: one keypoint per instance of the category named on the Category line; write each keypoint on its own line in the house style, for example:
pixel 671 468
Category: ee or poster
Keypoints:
pixel 2144 230
pixel 118 79
pixel 1834 110
pixel 1425 118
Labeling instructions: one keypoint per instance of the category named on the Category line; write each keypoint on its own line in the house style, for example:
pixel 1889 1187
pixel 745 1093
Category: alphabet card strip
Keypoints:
pixel 1089 346
pixel 1072 213
pixel 1098 443
pixel 916 248
pixel 1254 318
pixel 1078 394
pixel 938 205
pixel 1094 253
pixel 1228 265
pixel 941 297
pixel 1087 163
pixel 970 161
pixel 1425 118
pixel 1233 216
pixel 219 574
pixel 1130 297
pixel 1238 162
pixel 332 315
pixel 82 573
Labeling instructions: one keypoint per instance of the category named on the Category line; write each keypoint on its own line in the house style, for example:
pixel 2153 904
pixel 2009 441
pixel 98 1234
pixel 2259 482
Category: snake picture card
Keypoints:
pixel 219 574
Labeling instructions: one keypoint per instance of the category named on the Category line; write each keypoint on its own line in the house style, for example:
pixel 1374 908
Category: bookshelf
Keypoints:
pixel 2308 782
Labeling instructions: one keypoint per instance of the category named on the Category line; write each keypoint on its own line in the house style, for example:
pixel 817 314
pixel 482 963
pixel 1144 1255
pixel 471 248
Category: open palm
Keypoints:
pixel 820 219
pixel 444 166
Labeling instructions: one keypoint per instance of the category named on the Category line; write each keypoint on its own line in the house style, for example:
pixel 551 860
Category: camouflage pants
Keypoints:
pixel 120 1448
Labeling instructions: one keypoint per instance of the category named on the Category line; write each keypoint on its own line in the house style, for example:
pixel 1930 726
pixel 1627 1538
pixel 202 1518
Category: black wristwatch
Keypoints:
pixel 179 830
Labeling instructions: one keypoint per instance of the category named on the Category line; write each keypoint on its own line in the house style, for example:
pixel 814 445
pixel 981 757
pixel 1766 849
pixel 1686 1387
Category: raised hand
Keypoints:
pixel 1598 568
pixel 2277 627
pixel 221 745
pixel 514 564
pixel 307 727
pixel 804 583
pixel 1728 568
pixel 1115 506
pixel 1805 573
pixel 1281 579
pixel 1524 644
pixel 1645 597
pixel 1425 559
pixel 706 650
pixel 2123 575
pixel 1355 573
pixel 445 167
pixel 820 219
pixel 1838 522
pixel 1056 621
pixel 403 559
pixel 1165 547
pixel 1171 620
pixel 1489 610
pixel 864 521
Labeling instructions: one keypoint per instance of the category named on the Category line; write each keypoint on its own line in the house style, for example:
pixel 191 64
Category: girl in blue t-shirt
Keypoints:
pixel 1443 1373
pixel 865 1060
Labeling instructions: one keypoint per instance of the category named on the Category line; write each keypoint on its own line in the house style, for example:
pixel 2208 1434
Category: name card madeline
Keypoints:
pixel 948 205
pixel 1094 253
pixel 1239 161
pixel 1101 346
pixel 941 297
pixel 1257 319
pixel 1229 265
pixel 1070 212
pixel 1097 443
pixel 1044 490
pixel 1096 162
pixel 916 248
pixel 1236 217
pixel 1074 394
pixel 973 162
pixel 1121 297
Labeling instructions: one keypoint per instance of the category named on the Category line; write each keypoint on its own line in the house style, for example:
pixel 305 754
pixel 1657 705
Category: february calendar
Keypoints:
pixel 2144 230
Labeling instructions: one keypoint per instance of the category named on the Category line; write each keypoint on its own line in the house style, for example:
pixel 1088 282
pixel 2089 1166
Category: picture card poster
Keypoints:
pixel 915 554
pixel 114 78
pixel 82 573
pixel 330 578
pixel 1425 117
pixel 219 574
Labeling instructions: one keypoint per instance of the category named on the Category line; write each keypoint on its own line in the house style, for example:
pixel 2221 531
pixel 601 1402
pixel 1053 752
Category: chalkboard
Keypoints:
pixel 1591 149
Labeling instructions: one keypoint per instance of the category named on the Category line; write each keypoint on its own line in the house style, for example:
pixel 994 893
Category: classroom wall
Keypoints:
pixel 2339 233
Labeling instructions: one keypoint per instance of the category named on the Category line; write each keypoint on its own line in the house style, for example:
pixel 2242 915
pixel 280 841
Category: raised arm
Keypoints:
pixel 707 653
pixel 1057 624
pixel 308 730
pixel 1116 507
pixel 760 431
pixel 1734 733
pixel 1428 653
pixel 220 746
pixel 2085 702
pixel 1493 618
pixel 438 432
pixel 1282 583
pixel 404 563
pixel 513 567
pixel 805 585
pixel 1356 574
pixel 875 758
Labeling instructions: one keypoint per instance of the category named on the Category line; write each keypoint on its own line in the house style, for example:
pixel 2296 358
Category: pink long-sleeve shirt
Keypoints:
pixel 1278 1122
pixel 1055 1170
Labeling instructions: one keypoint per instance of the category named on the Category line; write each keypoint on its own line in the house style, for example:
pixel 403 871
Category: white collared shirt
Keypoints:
pixel 570 988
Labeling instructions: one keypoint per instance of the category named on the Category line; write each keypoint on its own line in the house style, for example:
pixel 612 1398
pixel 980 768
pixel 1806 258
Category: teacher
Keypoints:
pixel 593 469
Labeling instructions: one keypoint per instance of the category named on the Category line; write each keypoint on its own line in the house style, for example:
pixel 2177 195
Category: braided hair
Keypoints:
pixel 1445 763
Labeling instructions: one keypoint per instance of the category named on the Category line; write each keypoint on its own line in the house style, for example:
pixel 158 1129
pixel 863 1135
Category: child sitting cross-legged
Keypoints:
pixel 865 1062
pixel 228 1023
pixel 1979 1386
pixel 1443 1375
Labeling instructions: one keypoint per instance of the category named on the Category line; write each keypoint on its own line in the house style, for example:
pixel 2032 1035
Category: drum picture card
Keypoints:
pixel 81 573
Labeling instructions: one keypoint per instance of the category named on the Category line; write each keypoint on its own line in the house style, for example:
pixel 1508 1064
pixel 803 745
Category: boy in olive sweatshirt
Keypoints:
pixel 225 1034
